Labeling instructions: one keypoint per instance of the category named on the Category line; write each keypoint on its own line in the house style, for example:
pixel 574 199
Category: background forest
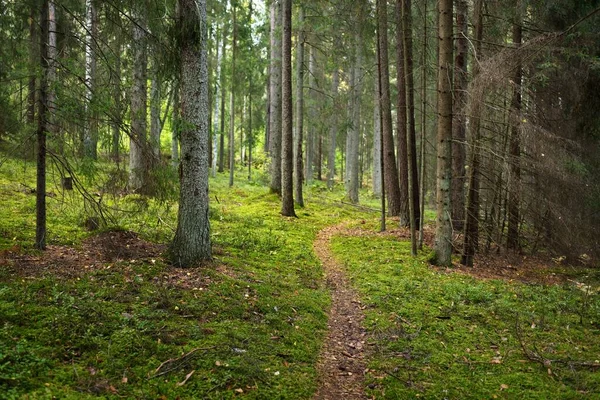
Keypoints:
pixel 227 134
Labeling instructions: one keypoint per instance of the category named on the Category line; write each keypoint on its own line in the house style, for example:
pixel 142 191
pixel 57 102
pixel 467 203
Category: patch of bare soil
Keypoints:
pixel 95 253
pixel 342 361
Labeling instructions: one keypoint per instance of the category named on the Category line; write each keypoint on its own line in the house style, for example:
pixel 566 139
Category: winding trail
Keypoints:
pixel 342 361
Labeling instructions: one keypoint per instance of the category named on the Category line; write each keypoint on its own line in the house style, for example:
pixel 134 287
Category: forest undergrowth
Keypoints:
pixel 100 314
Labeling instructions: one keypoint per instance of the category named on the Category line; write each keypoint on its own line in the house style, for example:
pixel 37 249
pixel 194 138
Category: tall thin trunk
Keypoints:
pixel 298 156
pixel 216 105
pixel 34 42
pixel 460 122
pixel 250 134
pixel 353 137
pixel 232 101
pixel 52 65
pixel 276 112
pixel 40 203
pixel 90 136
pixel 514 187
pixel 423 125
pixel 401 119
pixel 390 170
pixel 376 142
pixel 319 158
pixel 117 118
pixel 333 130
pixel 155 105
pixel 175 124
pixel 191 243
pixel 411 140
pixel 381 138
pixel 443 234
pixel 222 122
pixel 413 179
pixel 471 237
pixel 137 135
pixel 287 135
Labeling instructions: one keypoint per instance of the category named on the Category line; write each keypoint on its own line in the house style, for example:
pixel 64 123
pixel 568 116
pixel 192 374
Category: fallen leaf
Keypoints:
pixel 503 386
pixel 496 360
pixel 124 380
pixel 239 390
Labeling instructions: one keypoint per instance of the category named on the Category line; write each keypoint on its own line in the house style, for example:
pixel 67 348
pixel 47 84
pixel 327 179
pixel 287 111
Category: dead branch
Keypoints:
pixel 173 364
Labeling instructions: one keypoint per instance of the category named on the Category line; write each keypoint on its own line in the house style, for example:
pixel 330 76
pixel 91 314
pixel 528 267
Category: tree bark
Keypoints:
pixel 216 105
pixel 117 118
pixel 401 116
pixel 34 42
pixel 423 125
pixel 298 156
pixel 459 125
pixel 514 186
pixel 287 135
pixel 310 133
pixel 390 169
pixel 443 234
pixel 275 131
pixel 471 228
pixel 90 136
pixel 376 142
pixel 52 66
pixel 42 128
pixel 333 130
pixel 175 124
pixel 137 136
pixel 232 101
pixel 222 122
pixel 155 108
pixel 191 243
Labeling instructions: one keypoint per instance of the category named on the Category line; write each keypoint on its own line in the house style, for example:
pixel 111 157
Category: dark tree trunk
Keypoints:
pixel 459 125
pixel 390 169
pixel 298 156
pixel 401 121
pixel 40 203
pixel 275 129
pixel 287 135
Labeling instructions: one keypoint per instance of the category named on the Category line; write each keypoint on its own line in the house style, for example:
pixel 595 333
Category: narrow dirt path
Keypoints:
pixel 342 361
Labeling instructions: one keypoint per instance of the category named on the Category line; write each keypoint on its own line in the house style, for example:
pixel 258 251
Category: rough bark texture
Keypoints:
pixel 216 115
pixel 155 105
pixel 52 66
pixel 117 118
pixel 390 169
pixel 42 128
pixel 460 122
pixel 232 101
pixel 222 125
pixel 275 115
pixel 33 60
pixel 287 134
pixel 443 234
pixel 514 186
pixel 471 237
pixel 310 134
pixel 376 142
pixel 335 81
pixel 353 138
pixel 191 243
pixel 90 135
pixel 137 135
pixel 299 132
pixel 401 121
pixel 175 123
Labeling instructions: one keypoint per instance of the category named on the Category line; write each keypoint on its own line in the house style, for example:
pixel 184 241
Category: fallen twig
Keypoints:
pixel 173 364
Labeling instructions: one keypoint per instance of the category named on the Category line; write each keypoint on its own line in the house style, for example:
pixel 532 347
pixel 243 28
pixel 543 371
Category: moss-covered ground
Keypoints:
pixel 251 323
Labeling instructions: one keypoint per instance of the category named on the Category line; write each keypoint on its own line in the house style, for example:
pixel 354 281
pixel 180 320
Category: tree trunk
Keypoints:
pixel 376 142
pixel 232 101
pixel 287 134
pixel 471 236
pixel 390 169
pixel 191 243
pixel 34 42
pixel 155 108
pixel 459 125
pixel 401 121
pixel 42 128
pixel 310 134
pixel 137 136
pixel 222 122
pixel 175 124
pixel 353 137
pixel 275 131
pixel 216 105
pixel 514 186
pixel 90 136
pixel 52 66
pixel 333 130
pixel 443 234
pixel 299 167
pixel 117 118
pixel 423 125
